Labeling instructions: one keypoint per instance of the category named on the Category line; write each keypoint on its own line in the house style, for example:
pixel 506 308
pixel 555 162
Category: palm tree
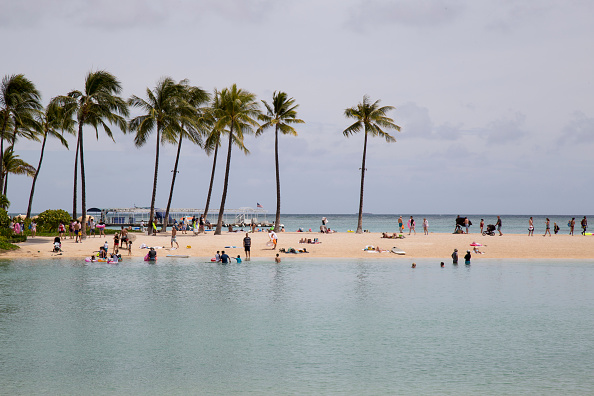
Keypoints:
pixel 165 109
pixel 50 123
pixel 96 106
pixel 13 164
pixel 24 125
pixel 280 114
pixel 370 118
pixel 18 100
pixel 192 128
pixel 235 110
pixel 212 143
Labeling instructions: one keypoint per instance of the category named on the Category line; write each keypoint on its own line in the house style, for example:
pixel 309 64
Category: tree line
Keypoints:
pixel 174 111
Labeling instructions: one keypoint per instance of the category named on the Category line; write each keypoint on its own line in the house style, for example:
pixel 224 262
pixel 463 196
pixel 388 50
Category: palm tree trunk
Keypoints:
pixel 164 229
pixel 212 175
pixel 360 219
pixel 5 187
pixel 2 149
pixel 76 173
pixel 278 194
pixel 36 174
pixel 225 184
pixel 154 196
pixel 83 188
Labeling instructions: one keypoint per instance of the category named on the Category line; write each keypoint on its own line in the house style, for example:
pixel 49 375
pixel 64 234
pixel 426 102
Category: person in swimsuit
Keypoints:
pixel 411 225
pixel 247 245
pixel 400 225
pixel 571 225
pixel 116 241
pixel 482 225
pixel 530 227
pixel 584 225
pixel 174 237
pixel 548 227
pixel 498 224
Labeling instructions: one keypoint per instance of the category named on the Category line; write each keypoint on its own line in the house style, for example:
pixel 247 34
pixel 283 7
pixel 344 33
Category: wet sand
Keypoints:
pixel 338 245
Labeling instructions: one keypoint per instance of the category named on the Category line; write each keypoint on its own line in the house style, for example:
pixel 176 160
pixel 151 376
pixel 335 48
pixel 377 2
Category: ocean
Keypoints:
pixel 513 224
pixel 307 327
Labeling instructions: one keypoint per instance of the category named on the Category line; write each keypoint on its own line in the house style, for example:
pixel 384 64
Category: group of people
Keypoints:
pixel 18 227
pixel 411 225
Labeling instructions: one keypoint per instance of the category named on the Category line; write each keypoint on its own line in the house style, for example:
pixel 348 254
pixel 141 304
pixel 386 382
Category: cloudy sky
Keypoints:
pixel 495 100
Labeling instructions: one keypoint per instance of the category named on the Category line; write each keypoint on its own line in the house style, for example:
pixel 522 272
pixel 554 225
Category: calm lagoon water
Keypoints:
pixel 356 327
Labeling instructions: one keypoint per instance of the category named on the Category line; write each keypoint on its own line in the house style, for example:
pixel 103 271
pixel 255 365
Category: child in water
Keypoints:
pixel 238 259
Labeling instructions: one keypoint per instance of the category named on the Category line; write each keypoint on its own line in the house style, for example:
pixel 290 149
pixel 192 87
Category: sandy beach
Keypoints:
pixel 338 245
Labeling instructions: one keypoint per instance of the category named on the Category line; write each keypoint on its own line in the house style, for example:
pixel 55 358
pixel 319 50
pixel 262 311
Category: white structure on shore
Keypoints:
pixel 133 216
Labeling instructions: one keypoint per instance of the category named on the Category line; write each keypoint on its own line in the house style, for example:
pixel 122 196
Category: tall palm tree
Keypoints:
pixel 97 105
pixel 212 144
pixel 50 123
pixel 193 129
pixel 23 125
pixel 235 111
pixel 164 109
pixel 370 118
pixel 280 114
pixel 19 98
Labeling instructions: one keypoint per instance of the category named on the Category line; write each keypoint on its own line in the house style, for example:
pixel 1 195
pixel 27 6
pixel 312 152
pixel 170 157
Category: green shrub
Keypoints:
pixel 5 245
pixel 49 220
pixel 4 219
pixel 17 238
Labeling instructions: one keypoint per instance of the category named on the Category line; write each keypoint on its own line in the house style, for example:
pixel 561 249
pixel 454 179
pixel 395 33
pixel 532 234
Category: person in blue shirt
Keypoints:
pixel 238 259
pixel 224 258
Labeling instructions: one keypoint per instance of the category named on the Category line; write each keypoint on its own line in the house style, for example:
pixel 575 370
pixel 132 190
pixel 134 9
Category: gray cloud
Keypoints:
pixel 505 130
pixel 403 12
pixel 579 130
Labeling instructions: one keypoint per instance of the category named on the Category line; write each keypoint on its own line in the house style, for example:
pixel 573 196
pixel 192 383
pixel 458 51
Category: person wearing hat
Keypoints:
pixel 467 257
pixel 455 257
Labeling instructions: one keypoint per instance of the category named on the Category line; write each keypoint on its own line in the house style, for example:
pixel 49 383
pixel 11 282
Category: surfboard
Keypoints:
pixel 396 250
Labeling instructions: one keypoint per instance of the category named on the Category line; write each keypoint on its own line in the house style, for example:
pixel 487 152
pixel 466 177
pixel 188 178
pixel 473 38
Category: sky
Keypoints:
pixel 495 100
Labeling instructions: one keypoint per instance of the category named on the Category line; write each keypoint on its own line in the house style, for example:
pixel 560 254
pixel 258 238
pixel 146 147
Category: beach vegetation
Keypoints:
pixel 280 114
pixel 164 109
pixel 372 120
pixel 194 122
pixel 4 219
pixel 11 163
pixel 4 202
pixel 52 122
pixel 19 100
pixel 49 220
pixel 98 105
pixel 235 111
pixel 6 245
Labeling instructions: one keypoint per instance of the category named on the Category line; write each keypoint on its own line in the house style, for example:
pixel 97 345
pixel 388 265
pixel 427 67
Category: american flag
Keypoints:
pixel 259 206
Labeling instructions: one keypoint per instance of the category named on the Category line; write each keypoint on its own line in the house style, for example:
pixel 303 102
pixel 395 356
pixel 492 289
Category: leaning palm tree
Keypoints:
pixel 280 114
pixel 193 127
pixel 97 105
pixel 18 100
pixel 235 111
pixel 24 125
pixel 212 144
pixel 371 119
pixel 50 123
pixel 13 164
pixel 163 115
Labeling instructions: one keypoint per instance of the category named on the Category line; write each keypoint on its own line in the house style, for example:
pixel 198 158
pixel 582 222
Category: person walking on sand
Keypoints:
pixel 455 257
pixel 411 225
pixel 498 225
pixel 571 225
pixel 247 245
pixel 174 237
pixel 548 227
pixel 77 232
pixel 425 226
pixel 584 225
pixel 482 225
pixel 531 227
pixel 400 225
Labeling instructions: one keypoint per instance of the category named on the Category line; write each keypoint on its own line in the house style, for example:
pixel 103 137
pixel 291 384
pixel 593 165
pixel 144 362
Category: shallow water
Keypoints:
pixel 302 327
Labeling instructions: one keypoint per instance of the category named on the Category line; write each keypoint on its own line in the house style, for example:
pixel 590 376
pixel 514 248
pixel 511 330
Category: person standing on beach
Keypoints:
pixel 531 227
pixel 400 225
pixel 201 224
pixel 61 230
pixel 274 238
pixel 499 224
pixel 247 245
pixel 174 237
pixel 556 228
pixel 466 224
pixel 482 225
pixel 77 232
pixel 411 225
pixel 571 225
pixel 584 225
pixel 425 226
pixel 548 227
pixel 455 257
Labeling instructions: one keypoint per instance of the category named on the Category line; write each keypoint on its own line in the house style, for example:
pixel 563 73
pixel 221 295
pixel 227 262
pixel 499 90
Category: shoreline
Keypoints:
pixel 438 246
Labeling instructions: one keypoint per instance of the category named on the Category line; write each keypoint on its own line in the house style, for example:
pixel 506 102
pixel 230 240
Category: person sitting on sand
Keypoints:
pixel 477 251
